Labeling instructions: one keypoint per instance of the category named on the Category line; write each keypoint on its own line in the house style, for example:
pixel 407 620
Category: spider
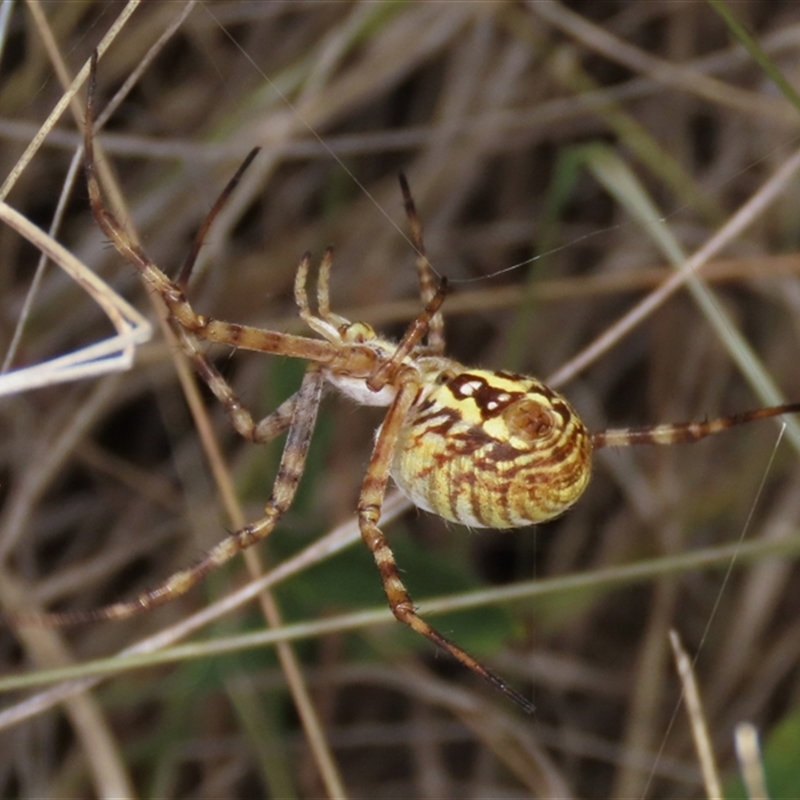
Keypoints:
pixel 478 447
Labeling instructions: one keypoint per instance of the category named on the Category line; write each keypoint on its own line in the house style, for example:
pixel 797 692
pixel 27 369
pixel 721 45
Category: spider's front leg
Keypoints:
pixel 182 314
pixel 304 407
pixel 187 325
pixel 242 420
pixel 305 404
pixel 369 512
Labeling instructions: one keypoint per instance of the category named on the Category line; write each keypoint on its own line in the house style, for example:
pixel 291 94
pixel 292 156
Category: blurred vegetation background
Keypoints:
pixel 535 136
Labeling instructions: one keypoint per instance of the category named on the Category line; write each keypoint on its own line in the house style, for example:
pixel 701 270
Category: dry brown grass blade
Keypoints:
pixel 748 751
pixel 697 719
pixel 109 355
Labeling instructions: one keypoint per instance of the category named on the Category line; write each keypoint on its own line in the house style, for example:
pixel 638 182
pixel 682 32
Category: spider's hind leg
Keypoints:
pixel 369 512
pixel 686 432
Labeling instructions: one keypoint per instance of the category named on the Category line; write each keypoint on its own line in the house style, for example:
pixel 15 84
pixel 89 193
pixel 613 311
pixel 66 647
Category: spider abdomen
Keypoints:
pixel 492 449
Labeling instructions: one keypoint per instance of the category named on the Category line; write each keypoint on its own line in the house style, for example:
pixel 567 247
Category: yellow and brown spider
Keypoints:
pixel 477 447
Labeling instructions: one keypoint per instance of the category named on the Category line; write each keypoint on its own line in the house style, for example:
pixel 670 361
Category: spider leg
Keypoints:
pixel 304 405
pixel 240 336
pixel 188 265
pixel 369 512
pixel 680 432
pixel 242 420
pixel 418 328
pixel 425 274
